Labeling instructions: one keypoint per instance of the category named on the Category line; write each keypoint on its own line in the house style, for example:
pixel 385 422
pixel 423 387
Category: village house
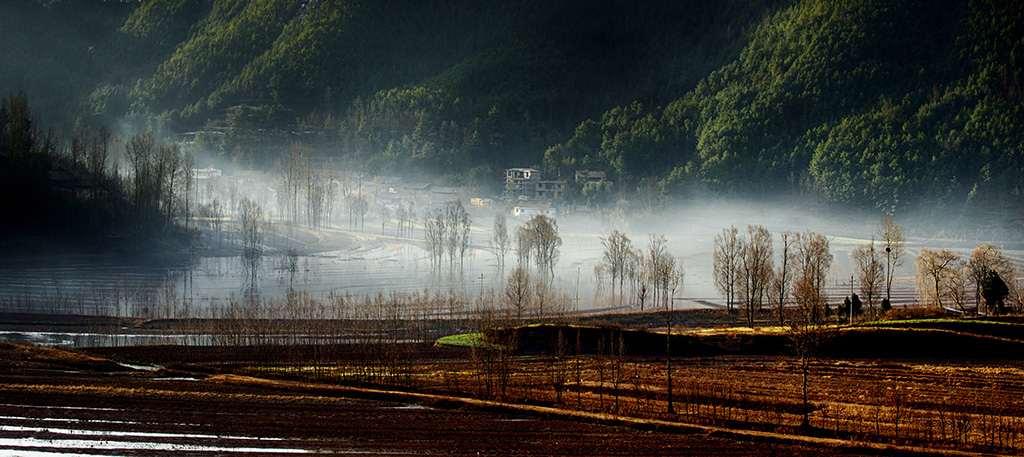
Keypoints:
pixel 521 182
pixel 528 183
pixel 593 178
pixel 528 210
pixel 206 173
pixel 549 190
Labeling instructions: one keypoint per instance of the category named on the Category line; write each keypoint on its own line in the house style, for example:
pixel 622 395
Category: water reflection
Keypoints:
pixel 194 288
pixel 202 286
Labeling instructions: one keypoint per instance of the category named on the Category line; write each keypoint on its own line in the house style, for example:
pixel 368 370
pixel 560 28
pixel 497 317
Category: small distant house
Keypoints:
pixel 417 191
pixel 481 202
pixel 527 210
pixel 583 177
pixel 206 173
pixel 389 184
pixel 593 178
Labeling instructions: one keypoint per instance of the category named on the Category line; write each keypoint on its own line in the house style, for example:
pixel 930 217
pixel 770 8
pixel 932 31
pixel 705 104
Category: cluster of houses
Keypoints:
pixel 532 194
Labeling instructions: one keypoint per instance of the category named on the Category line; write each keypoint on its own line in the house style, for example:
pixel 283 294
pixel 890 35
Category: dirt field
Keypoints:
pixel 56 406
pixel 381 397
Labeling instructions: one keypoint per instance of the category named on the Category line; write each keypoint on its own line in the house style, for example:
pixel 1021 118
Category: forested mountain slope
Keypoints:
pixel 877 104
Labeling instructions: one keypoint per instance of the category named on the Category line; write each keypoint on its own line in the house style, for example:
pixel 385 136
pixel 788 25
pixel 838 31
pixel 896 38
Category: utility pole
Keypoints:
pixel 577 290
pixel 888 275
pixel 851 299
pixel 668 351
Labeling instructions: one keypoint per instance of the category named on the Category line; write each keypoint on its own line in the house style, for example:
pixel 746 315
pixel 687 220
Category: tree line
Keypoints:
pixel 70 189
pixel 749 275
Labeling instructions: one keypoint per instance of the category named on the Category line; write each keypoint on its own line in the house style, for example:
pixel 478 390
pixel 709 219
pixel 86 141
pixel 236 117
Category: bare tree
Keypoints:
pixel 661 268
pixel 807 328
pixel 98 155
pixel 500 239
pixel 463 225
pixel 782 280
pixel 362 206
pixel 402 215
pixel 616 256
pixel 434 236
pixel 168 170
pixel 385 218
pixel 546 243
pixel 985 261
pixel 145 183
pixel 935 269
pixel 892 237
pixel 250 217
pixel 524 238
pixel 956 285
pixel 755 269
pixel 188 186
pixel 813 262
pixel 726 263
pixel 870 271
pixel 637 269
pixel 292 172
pixel 517 293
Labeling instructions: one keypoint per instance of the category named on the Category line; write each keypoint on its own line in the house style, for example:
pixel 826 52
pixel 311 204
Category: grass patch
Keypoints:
pixel 467 341
pixel 775 329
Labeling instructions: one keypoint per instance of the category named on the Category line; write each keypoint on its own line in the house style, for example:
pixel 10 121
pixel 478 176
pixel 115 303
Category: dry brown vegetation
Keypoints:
pixel 951 385
pixel 168 413
pixel 969 402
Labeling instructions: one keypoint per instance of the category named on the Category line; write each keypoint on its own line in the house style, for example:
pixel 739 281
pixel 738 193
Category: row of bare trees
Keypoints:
pixel 446 231
pixel 873 275
pixel 526 297
pixel 307 193
pixel 946 278
pixel 745 271
pixel 161 182
pixel 747 274
pixel 652 273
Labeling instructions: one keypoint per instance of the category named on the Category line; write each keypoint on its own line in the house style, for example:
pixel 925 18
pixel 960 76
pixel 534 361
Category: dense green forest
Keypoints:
pixel 879 105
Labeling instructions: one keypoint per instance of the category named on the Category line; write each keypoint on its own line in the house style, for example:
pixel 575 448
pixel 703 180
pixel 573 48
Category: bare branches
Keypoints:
pixel 782 280
pixel 446 230
pixel 500 239
pixel 813 262
pixel 870 270
pixel 538 240
pixel 728 250
pixel 988 265
pixel 936 274
pixel 250 217
pixel 616 255
pixel 892 237
pixel 755 268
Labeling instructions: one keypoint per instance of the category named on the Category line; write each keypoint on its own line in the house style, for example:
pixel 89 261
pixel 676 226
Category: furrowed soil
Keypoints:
pixel 603 395
pixel 62 405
